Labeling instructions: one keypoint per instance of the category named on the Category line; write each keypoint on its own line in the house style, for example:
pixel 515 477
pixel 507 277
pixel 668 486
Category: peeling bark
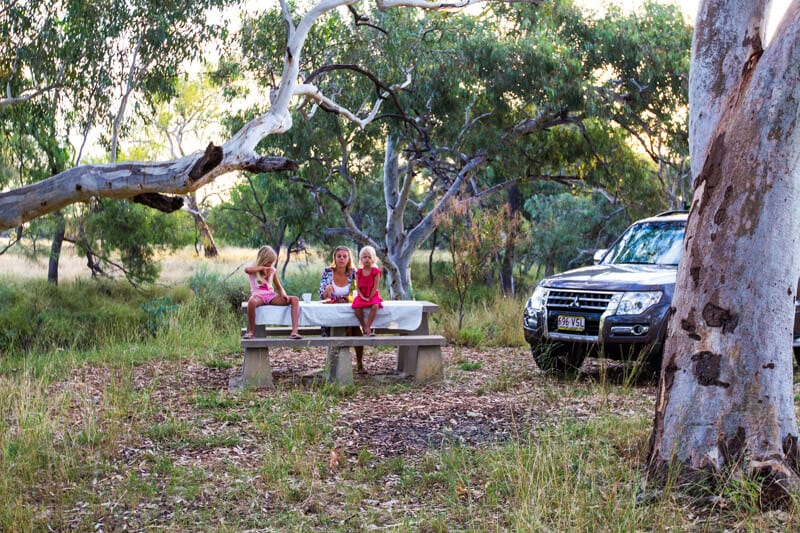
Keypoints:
pixel 725 399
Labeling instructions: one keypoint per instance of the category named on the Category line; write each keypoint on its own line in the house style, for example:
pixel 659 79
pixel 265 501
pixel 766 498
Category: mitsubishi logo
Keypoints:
pixel 575 302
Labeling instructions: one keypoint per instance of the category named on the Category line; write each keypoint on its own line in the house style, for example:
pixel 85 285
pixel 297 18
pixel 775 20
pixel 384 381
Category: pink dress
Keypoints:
pixel 365 284
pixel 263 291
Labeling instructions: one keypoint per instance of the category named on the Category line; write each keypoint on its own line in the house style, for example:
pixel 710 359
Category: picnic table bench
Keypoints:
pixel 403 324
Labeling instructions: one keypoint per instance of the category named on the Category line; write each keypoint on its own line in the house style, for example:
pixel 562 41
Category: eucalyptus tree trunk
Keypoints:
pixel 55 247
pixel 509 250
pixel 725 396
pixel 400 242
pixel 206 237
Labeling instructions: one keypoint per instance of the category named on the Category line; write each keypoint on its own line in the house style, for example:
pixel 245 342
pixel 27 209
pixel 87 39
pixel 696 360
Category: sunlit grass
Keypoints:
pixel 88 443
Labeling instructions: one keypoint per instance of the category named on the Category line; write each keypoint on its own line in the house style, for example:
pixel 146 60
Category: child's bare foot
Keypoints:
pixel 248 335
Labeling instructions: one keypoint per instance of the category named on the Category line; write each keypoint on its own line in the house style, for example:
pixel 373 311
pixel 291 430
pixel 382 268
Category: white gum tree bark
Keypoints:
pixel 400 242
pixel 725 396
pixel 145 181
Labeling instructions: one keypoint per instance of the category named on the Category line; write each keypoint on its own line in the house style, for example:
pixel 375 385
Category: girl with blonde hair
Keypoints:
pixel 266 289
pixel 368 280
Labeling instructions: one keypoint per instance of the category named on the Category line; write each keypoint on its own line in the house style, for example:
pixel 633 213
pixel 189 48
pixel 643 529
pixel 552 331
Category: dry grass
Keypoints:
pixel 144 435
pixel 175 267
pixel 163 445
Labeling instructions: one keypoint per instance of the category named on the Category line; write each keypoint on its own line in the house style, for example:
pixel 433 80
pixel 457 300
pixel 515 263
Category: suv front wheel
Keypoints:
pixel 559 359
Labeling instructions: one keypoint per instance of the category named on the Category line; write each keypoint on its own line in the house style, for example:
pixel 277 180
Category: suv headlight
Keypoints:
pixel 635 303
pixel 537 299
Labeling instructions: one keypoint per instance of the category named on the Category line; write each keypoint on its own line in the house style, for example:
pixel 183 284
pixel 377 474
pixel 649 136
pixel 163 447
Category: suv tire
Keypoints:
pixel 559 359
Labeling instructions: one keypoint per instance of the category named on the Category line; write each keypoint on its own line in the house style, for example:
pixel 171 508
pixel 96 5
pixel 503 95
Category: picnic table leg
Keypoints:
pixel 407 355
pixel 339 363
pixel 256 370
pixel 429 364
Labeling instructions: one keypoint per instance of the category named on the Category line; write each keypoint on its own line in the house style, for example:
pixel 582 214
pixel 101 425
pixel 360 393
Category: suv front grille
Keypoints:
pixel 589 304
pixel 578 300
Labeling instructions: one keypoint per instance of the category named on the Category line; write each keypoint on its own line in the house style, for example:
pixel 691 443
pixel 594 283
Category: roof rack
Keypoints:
pixel 673 212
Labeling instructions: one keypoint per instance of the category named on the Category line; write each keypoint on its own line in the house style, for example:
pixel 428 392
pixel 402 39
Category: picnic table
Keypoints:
pixel 400 323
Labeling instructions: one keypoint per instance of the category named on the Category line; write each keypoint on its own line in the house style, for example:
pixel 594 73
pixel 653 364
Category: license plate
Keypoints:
pixel 571 323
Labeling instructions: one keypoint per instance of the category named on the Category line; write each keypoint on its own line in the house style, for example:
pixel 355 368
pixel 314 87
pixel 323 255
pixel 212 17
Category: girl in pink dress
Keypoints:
pixel 262 277
pixel 368 279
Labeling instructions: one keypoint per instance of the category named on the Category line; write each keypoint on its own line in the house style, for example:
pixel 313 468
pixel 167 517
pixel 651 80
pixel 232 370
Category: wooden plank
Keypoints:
pixel 308 342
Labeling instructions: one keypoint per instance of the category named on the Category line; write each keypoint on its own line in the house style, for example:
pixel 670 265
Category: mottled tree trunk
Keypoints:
pixel 55 248
pixel 509 251
pixel 206 237
pixel 725 396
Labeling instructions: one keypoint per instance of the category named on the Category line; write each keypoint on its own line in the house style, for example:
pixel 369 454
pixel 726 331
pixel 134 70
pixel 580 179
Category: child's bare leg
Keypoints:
pixel 252 303
pixel 355 332
pixel 360 316
pixel 371 318
pixel 295 311
pixel 359 358
pixel 295 303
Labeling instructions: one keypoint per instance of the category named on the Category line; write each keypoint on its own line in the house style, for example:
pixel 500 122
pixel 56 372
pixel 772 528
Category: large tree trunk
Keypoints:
pixel 401 242
pixel 725 396
pixel 398 277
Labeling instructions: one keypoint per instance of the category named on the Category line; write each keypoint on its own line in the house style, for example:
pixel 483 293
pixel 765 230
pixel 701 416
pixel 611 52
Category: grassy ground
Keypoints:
pixel 136 430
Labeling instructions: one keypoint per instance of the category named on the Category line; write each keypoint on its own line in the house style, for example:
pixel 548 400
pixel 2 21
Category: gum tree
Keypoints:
pixel 512 95
pixel 725 397
pixel 148 182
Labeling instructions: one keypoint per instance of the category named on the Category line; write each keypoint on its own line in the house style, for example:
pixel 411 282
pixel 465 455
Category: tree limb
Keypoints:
pixel 161 202
pixel 187 174
pixel 383 5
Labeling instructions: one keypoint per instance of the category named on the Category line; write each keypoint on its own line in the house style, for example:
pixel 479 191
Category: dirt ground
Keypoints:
pixel 489 395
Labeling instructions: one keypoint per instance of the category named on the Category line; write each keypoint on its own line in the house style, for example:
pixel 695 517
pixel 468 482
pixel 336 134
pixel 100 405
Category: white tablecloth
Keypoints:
pixel 396 314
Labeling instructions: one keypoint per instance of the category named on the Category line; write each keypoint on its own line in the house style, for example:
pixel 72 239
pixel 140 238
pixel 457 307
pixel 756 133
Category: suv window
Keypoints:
pixel 649 243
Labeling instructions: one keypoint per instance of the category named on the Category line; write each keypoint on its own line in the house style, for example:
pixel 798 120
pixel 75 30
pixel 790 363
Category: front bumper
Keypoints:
pixel 648 328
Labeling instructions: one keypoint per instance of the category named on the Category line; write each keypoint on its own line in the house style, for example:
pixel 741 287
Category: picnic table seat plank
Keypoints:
pixel 312 342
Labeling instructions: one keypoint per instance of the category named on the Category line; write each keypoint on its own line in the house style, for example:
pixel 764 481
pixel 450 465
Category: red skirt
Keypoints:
pixel 359 302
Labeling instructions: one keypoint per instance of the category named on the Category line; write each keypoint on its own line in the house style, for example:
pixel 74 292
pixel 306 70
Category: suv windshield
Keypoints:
pixel 649 243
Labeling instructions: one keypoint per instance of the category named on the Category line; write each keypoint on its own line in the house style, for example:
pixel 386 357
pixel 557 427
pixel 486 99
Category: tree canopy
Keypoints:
pixel 381 114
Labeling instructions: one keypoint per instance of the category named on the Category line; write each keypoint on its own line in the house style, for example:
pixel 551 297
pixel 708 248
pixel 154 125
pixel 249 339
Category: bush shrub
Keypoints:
pixel 38 316
pixel 217 294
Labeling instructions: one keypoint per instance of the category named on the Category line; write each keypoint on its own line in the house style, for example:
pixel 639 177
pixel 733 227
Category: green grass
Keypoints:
pixel 92 436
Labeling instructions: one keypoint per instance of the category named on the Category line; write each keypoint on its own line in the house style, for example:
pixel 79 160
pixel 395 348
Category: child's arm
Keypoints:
pixel 358 289
pixel 278 287
pixel 253 269
pixel 377 285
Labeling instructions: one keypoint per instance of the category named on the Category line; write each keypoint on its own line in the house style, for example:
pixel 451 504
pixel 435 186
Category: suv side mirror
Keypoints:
pixel 599 254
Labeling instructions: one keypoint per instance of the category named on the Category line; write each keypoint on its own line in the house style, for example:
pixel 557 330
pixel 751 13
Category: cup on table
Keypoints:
pixel 306 297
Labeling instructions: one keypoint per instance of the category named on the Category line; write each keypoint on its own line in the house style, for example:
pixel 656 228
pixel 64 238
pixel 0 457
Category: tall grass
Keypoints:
pixel 103 451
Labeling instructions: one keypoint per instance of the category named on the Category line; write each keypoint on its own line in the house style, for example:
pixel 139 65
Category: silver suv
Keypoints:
pixel 617 308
